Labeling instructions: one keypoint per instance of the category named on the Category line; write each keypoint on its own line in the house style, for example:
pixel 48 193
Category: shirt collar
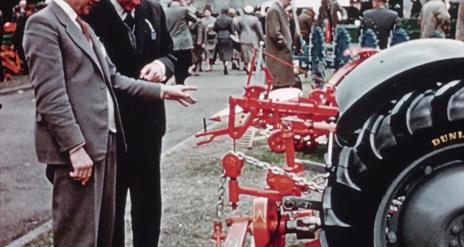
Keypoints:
pixel 68 10
pixel 120 10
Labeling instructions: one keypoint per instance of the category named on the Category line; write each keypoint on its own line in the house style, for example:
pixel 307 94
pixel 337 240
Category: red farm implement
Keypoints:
pixel 289 203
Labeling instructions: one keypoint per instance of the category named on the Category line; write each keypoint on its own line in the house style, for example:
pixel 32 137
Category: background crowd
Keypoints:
pixel 204 36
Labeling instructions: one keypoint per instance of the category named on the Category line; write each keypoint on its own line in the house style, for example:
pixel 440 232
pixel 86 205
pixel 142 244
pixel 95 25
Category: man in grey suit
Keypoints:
pixel 250 32
pixel 77 119
pixel 279 44
pixel 178 16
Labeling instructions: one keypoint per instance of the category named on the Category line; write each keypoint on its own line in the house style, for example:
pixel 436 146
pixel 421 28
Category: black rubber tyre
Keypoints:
pixel 400 155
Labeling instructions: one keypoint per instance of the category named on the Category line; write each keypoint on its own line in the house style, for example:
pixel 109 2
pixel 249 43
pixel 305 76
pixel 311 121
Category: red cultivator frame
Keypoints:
pixel 286 205
pixel 10 60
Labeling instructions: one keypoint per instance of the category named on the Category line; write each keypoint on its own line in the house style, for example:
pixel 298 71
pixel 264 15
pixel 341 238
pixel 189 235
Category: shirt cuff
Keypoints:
pixel 163 69
pixel 74 149
pixel 162 91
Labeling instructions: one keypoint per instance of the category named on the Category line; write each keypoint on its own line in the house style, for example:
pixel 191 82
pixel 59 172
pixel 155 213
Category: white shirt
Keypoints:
pixel 73 16
pixel 120 10
pixel 123 14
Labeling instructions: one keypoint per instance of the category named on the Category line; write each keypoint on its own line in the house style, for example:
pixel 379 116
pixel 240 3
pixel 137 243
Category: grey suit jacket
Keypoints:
pixel 70 78
pixel 250 30
pixel 177 20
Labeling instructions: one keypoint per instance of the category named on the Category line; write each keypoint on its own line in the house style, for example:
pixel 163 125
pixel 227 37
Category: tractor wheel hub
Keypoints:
pixel 433 214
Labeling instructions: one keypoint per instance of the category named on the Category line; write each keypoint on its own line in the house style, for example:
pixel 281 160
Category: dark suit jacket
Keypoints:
pixel 382 21
pixel 71 78
pixel 224 27
pixel 142 121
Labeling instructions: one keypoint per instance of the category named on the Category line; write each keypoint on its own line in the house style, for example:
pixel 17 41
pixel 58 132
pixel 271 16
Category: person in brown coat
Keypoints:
pixel 279 44
pixel 198 32
pixel 306 20
pixel 330 10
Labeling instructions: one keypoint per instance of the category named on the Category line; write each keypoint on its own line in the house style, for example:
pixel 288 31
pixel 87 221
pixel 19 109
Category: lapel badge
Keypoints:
pixel 153 35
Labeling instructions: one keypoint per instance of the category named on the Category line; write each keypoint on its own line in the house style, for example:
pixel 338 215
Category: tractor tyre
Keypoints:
pixel 402 183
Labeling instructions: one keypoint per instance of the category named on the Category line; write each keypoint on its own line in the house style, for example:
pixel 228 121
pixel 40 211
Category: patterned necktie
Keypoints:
pixel 129 20
pixel 85 28
pixel 130 23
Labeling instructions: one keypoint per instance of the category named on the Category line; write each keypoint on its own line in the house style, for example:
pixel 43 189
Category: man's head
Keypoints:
pixel 207 12
pixel 378 3
pixel 232 12
pixel 248 9
pixel 82 7
pixel 22 4
pixel 179 2
pixel 285 3
pixel 129 5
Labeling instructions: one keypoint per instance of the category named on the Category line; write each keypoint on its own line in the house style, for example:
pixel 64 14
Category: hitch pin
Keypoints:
pixel 329 150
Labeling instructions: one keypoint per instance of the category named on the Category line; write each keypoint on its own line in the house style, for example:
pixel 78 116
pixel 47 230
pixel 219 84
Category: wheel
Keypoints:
pixel 276 141
pixel 401 184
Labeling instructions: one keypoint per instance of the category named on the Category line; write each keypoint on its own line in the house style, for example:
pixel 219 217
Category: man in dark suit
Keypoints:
pixel 135 35
pixel 381 20
pixel 224 27
pixel 77 119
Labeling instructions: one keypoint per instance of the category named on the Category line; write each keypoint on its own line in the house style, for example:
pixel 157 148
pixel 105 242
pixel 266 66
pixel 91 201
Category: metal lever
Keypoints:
pixel 292 203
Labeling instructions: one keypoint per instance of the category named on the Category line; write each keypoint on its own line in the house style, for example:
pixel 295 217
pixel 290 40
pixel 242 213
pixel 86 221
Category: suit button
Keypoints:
pixel 102 85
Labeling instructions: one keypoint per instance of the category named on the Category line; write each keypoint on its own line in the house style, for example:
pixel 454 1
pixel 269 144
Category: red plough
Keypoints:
pixel 289 203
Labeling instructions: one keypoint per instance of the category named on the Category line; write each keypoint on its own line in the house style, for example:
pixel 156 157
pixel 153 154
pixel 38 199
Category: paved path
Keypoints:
pixel 24 191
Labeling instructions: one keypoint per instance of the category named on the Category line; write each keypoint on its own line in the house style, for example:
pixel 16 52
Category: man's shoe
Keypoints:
pixel 225 71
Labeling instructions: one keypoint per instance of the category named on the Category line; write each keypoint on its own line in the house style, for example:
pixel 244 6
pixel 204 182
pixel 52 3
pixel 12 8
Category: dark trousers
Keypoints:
pixel 184 61
pixel 83 216
pixel 139 173
pixel 2 77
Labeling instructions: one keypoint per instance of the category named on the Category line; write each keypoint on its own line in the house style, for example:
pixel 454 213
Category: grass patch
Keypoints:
pixel 261 151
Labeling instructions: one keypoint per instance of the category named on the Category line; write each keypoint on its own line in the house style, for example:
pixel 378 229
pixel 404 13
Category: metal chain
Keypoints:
pixel 220 201
pixel 316 184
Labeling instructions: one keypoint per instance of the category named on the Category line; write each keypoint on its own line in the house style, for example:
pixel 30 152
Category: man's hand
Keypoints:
pixel 180 93
pixel 82 165
pixel 446 26
pixel 153 72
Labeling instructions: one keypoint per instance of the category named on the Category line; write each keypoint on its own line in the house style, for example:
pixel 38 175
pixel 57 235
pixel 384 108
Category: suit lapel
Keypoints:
pixel 98 50
pixel 75 34
pixel 283 13
pixel 143 30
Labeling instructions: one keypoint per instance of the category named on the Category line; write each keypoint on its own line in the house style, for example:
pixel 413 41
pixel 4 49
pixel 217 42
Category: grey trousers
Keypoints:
pixel 83 216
